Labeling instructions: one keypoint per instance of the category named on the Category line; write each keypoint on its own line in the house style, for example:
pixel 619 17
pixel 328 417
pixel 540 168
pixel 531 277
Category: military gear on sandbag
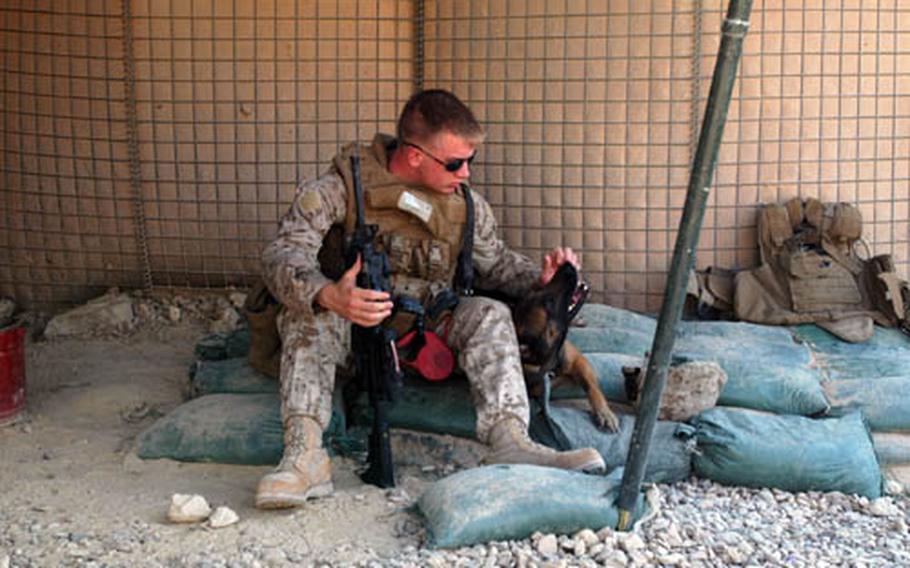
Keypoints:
pixel 509 444
pixel 305 469
pixel 811 273
pixel 691 388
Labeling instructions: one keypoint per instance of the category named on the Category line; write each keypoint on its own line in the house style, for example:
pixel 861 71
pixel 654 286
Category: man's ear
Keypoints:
pixel 413 156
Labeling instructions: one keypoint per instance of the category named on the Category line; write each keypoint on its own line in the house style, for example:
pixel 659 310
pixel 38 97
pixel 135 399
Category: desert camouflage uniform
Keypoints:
pixel 315 340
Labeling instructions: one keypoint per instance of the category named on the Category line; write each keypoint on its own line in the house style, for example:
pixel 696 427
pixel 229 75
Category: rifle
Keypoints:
pixel 374 348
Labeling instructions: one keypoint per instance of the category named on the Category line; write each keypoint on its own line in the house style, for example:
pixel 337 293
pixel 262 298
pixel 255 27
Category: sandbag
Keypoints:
pixel 228 428
pixel 610 340
pixel 224 345
pixel 892 448
pixel 233 375
pixel 439 407
pixel 750 384
pixel 884 401
pixel 886 354
pixel 511 502
pixel 793 453
pixel 602 315
pixel 566 428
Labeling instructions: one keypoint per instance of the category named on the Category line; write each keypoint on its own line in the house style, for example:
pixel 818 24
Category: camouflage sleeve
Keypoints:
pixel 497 266
pixel 290 263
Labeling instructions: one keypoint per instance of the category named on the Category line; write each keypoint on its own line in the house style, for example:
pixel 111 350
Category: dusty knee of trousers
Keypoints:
pixel 489 310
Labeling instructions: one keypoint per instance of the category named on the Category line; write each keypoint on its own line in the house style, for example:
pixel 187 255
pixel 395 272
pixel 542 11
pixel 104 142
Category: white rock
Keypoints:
pixel 630 541
pixel 173 313
pixel 228 320
pixel 547 545
pixel 588 536
pixel 4 560
pixel 111 312
pixel 222 517
pixel 237 299
pixel 673 559
pixel 883 507
pixel 188 508
pixel 893 487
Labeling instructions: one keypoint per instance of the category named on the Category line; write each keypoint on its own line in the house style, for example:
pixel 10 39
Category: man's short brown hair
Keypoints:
pixel 429 112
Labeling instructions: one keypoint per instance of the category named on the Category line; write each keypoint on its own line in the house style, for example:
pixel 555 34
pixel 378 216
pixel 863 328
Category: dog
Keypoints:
pixel 542 320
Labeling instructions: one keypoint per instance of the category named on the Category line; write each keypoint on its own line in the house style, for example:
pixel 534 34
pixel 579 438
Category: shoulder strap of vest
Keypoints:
pixel 464 272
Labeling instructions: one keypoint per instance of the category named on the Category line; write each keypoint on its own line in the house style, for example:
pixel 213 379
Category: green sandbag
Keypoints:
pixel 892 448
pixel 885 354
pixel 774 388
pixel 610 340
pixel 227 428
pixel 229 376
pixel 778 389
pixel 511 502
pixel 884 401
pixel 443 407
pixel 571 428
pixel 793 453
pixel 224 345
pixel 602 315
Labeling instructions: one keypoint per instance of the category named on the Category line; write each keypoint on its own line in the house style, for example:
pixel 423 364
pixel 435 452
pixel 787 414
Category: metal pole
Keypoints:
pixel 734 30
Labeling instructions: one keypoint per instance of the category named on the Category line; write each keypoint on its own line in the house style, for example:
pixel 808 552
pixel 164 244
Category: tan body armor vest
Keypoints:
pixel 810 273
pixel 420 230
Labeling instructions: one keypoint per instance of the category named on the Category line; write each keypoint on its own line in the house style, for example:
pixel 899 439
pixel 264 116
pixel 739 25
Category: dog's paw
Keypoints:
pixel 605 420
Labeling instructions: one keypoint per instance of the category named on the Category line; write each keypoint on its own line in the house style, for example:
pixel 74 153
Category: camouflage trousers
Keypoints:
pixel 481 334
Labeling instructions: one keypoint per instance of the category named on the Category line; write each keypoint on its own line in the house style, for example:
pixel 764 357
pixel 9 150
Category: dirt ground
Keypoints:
pixel 74 493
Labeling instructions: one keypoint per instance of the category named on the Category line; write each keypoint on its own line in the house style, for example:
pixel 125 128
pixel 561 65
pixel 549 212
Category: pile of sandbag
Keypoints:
pixel 795 412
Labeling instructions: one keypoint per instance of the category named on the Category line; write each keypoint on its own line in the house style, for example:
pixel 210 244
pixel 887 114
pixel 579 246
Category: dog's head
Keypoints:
pixel 542 317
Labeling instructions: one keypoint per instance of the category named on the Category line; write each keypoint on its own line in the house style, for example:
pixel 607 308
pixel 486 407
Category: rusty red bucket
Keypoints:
pixel 12 374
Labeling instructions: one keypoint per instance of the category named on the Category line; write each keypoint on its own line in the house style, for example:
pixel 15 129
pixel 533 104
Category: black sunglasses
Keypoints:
pixel 451 166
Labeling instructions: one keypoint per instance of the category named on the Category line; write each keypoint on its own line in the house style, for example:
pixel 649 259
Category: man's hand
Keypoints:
pixel 359 305
pixel 554 259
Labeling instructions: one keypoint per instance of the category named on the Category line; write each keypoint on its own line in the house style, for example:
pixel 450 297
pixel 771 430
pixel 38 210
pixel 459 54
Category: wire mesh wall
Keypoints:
pixel 157 142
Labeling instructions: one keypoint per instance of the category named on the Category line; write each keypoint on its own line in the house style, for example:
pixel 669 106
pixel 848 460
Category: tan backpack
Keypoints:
pixel 810 272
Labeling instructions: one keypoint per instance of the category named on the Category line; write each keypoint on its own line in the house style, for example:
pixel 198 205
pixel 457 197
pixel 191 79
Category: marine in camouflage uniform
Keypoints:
pixel 316 340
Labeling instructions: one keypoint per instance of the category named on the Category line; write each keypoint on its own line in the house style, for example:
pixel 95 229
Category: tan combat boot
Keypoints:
pixel 305 470
pixel 510 443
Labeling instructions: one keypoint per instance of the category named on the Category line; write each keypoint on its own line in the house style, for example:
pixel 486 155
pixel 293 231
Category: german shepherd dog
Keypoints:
pixel 542 321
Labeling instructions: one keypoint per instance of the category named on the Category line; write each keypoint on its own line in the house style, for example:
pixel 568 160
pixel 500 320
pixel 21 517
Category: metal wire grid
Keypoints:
pixel 588 104
pixel 67 223
pixel 821 109
pixel 239 100
pixel 588 108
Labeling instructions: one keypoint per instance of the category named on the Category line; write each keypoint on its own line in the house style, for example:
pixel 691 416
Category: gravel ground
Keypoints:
pixel 699 523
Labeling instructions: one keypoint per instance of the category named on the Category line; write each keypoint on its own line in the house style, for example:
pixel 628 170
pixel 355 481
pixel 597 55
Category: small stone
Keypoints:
pixel 237 299
pixel 630 542
pixel 547 545
pixel 883 507
pixel 188 508
pixel 673 559
pixel 173 314
pixel 580 548
pixel 4 560
pixel 222 517
pixel 893 487
pixel 588 536
pixel 274 557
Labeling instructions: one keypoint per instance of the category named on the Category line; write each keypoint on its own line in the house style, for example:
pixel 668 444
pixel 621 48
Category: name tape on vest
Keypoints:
pixel 416 206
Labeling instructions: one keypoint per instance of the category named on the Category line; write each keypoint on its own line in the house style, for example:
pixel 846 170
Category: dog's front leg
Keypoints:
pixel 575 365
